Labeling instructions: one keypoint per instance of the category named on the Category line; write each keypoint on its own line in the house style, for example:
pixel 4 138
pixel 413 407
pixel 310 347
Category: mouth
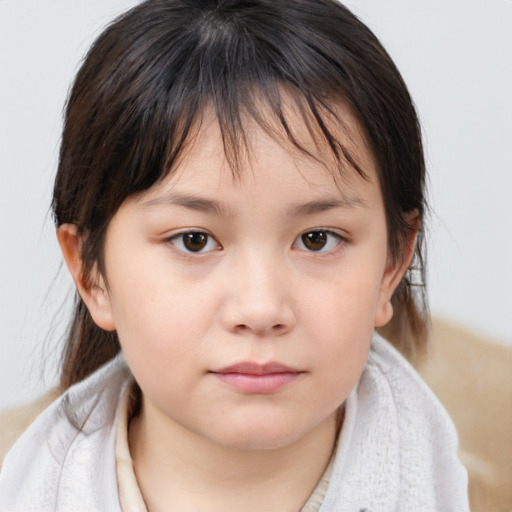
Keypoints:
pixel 255 378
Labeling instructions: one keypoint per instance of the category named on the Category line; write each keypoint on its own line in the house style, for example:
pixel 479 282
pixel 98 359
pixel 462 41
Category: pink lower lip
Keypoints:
pixel 257 383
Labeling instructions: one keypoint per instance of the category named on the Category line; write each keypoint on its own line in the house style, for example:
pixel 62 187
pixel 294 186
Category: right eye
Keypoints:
pixel 194 242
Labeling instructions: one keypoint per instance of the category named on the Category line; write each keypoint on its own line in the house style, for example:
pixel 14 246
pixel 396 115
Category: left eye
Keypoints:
pixel 318 240
pixel 194 242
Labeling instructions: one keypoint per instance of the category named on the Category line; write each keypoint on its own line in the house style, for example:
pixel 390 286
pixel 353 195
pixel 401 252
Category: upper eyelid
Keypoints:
pixel 333 231
pixel 188 230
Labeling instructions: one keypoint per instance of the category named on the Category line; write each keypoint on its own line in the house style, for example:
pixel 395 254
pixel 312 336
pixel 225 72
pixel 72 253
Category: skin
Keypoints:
pixel 255 292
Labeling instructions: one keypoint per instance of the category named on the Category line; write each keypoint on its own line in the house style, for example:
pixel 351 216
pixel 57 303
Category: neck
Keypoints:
pixel 179 470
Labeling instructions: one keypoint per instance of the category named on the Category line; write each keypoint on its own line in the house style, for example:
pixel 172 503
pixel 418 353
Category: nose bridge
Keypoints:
pixel 260 299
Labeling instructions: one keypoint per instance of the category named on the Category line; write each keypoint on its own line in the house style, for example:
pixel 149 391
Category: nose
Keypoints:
pixel 260 300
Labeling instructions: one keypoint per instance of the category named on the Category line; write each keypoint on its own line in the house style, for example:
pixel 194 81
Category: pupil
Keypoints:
pixel 195 241
pixel 315 240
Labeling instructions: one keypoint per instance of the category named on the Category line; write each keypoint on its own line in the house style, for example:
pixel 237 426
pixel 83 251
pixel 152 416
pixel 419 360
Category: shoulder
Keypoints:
pixel 397 448
pixel 472 377
pixel 419 432
pixel 392 382
pixel 396 377
pixel 68 449
pixel 14 421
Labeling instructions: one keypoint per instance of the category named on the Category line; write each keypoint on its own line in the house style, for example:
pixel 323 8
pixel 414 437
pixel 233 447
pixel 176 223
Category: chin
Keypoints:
pixel 259 443
pixel 258 437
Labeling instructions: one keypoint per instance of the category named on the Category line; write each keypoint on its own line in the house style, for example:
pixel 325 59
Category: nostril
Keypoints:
pixel 278 330
pixel 275 329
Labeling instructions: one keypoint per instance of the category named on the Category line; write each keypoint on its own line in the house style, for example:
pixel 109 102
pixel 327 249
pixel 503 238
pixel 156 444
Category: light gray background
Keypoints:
pixel 455 56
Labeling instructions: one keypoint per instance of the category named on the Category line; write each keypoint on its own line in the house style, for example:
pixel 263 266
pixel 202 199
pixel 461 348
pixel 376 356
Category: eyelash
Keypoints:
pixel 331 237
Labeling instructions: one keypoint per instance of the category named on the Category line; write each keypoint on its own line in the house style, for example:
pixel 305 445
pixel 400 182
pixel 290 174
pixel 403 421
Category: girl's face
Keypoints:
pixel 245 309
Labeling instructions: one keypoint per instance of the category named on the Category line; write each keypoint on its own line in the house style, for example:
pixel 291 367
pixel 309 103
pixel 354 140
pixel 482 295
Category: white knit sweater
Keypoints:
pixel 396 451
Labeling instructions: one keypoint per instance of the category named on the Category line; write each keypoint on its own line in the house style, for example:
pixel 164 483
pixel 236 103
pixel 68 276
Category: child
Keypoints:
pixel 239 198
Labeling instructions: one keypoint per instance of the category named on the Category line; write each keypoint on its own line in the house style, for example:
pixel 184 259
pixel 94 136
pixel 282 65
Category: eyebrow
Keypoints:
pixel 191 202
pixel 206 205
pixel 321 205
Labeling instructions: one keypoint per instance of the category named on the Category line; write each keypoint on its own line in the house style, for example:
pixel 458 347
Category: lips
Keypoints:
pixel 258 369
pixel 255 378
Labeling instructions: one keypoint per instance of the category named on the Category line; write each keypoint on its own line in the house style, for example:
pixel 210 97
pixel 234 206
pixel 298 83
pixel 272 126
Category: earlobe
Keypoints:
pixel 384 312
pixel 392 277
pixel 93 290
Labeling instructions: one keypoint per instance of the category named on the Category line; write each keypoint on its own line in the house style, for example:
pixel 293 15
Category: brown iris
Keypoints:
pixel 195 241
pixel 315 240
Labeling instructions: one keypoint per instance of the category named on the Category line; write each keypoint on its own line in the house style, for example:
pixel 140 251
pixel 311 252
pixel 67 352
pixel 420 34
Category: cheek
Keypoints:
pixel 345 302
pixel 340 318
pixel 158 314
pixel 342 341
pixel 161 337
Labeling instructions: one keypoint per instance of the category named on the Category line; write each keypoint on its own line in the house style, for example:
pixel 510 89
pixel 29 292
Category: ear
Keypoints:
pixel 395 271
pixel 93 290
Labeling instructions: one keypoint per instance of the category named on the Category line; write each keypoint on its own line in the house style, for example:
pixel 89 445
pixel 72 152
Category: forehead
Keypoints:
pixel 267 149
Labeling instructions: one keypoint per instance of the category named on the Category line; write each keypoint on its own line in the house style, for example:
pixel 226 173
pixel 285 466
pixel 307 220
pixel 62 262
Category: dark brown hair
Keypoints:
pixel 147 81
